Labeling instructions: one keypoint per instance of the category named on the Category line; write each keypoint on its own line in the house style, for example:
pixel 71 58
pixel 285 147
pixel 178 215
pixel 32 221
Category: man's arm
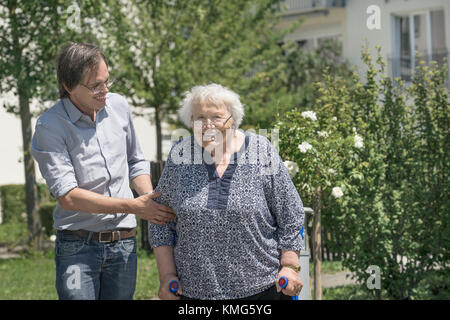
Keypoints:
pixel 144 207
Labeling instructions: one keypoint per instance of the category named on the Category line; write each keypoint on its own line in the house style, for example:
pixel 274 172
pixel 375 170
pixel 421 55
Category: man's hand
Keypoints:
pixel 164 292
pixel 145 208
pixel 295 284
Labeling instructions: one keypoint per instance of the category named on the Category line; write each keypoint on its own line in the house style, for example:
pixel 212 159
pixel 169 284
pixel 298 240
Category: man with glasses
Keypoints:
pixel 88 153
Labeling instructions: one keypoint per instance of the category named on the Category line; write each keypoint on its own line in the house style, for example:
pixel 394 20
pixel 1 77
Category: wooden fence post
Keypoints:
pixel 155 173
pixel 317 244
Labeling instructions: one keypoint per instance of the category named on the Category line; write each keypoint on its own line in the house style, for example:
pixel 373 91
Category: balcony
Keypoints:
pixel 403 66
pixel 306 6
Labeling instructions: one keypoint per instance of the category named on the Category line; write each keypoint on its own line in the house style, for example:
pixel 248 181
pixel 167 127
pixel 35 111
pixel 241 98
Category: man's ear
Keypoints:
pixel 65 87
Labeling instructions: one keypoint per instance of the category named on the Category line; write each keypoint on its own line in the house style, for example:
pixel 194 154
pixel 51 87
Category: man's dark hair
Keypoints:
pixel 74 60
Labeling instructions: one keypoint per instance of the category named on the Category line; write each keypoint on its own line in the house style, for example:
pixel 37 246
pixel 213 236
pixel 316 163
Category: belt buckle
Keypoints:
pixel 100 236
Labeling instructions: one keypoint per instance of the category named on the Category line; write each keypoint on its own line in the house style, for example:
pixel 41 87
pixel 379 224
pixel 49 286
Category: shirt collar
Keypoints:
pixel 75 113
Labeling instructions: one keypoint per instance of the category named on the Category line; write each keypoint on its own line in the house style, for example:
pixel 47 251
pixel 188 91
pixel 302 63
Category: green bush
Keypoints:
pixel 393 208
pixel 46 213
pixel 435 285
pixel 12 197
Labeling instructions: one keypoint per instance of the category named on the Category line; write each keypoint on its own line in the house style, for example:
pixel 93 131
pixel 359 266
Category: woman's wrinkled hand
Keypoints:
pixel 294 285
pixel 164 292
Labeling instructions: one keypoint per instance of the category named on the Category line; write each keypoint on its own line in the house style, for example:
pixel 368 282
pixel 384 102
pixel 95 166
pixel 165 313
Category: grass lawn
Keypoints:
pixel 347 292
pixel 28 277
pixel 32 276
pixel 14 232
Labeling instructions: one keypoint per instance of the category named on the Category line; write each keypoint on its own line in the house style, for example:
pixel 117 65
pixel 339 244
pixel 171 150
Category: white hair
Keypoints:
pixel 211 94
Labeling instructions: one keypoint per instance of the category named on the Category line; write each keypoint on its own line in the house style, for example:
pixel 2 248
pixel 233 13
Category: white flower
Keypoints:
pixel 337 192
pixel 291 167
pixel 358 141
pixel 306 186
pixel 304 147
pixel 354 129
pixel 323 134
pixel 53 238
pixel 332 171
pixel 310 115
pixel 334 119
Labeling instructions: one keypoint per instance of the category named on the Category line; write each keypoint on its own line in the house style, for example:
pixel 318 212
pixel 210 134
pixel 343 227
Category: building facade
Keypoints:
pixel 405 30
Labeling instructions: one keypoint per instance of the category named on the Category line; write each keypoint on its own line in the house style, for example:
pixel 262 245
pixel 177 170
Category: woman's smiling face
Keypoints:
pixel 210 123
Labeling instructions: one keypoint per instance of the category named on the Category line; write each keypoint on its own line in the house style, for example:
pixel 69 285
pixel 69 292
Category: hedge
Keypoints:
pixel 46 213
pixel 12 197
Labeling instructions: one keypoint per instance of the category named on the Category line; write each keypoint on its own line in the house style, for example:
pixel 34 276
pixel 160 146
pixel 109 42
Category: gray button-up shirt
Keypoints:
pixel 102 156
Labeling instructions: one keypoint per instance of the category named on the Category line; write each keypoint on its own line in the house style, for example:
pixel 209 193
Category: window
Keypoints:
pixel 419 36
pixel 307 44
pixel 316 42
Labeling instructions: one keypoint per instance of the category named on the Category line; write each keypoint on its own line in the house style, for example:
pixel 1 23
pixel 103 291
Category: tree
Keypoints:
pixel 26 49
pixel 30 34
pixel 160 49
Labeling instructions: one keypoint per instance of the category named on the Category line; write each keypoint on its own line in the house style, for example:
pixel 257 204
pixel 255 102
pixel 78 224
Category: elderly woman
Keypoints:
pixel 239 215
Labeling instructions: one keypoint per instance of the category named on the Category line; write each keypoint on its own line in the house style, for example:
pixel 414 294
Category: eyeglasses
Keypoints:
pixel 216 122
pixel 100 87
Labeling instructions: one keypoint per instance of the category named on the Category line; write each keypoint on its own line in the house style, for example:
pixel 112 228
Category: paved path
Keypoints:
pixel 7 254
pixel 335 280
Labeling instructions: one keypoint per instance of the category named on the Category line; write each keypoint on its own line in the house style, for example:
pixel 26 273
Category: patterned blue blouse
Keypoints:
pixel 229 230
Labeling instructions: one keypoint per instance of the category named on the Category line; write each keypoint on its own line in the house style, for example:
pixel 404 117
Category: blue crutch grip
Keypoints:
pixel 173 286
pixel 283 282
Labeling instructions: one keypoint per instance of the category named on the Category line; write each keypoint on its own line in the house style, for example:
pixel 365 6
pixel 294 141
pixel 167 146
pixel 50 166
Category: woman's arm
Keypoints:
pixel 289 257
pixel 167 272
pixel 286 206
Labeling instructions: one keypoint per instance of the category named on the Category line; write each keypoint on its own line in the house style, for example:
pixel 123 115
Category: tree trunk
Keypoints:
pixel 317 243
pixel 31 192
pixel 158 135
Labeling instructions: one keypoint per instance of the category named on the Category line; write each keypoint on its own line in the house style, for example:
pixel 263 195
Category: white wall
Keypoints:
pixel 319 24
pixel 11 167
pixel 146 133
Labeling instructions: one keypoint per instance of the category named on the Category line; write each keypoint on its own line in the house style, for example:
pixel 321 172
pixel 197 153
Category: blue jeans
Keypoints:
pixel 90 270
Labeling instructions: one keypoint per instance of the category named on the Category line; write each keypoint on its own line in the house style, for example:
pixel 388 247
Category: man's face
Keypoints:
pixel 83 95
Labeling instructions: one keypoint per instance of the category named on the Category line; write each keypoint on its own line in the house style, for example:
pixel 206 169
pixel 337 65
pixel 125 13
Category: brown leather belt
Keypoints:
pixel 103 236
